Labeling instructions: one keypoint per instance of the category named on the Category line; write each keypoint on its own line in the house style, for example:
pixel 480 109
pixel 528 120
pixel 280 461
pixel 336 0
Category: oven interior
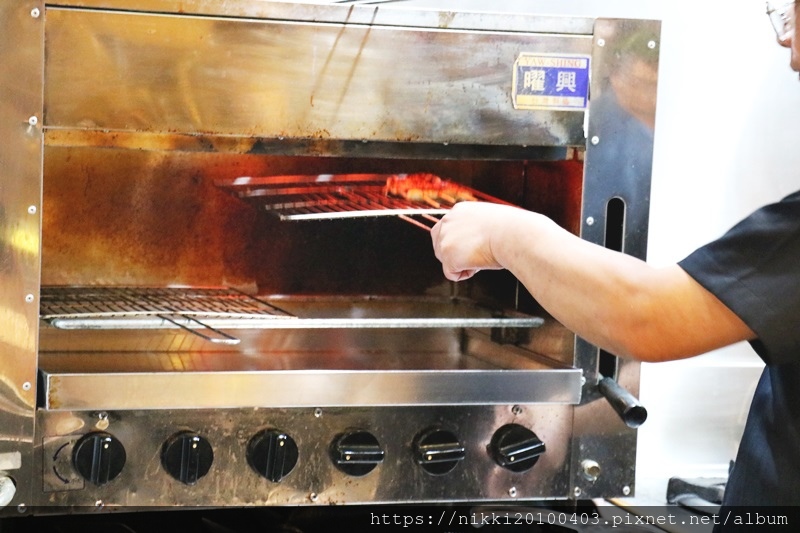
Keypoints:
pixel 130 227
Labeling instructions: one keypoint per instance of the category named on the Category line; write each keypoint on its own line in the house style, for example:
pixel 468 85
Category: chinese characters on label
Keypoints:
pixel 543 81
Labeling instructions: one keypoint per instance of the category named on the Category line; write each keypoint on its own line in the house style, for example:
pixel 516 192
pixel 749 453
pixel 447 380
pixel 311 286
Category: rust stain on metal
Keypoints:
pixel 52 393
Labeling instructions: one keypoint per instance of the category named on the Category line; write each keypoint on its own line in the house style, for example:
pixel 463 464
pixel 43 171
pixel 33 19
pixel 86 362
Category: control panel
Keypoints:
pixel 300 457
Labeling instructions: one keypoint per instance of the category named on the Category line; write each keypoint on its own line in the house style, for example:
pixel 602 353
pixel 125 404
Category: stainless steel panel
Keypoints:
pixel 386 15
pixel 315 480
pixel 131 381
pixel 21 46
pixel 618 166
pixel 602 438
pixel 259 78
pixel 619 154
pixel 307 388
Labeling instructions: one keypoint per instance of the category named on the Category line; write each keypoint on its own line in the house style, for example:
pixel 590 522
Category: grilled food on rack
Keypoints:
pixel 428 188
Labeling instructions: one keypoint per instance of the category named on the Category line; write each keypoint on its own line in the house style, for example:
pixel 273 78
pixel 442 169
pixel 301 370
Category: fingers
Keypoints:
pixel 436 231
pixel 460 275
pixel 450 272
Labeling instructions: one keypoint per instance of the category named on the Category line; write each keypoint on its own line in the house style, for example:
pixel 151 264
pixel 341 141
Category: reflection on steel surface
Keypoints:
pixel 308 388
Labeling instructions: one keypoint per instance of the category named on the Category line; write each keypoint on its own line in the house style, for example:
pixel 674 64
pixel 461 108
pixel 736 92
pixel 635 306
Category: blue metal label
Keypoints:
pixel 551 81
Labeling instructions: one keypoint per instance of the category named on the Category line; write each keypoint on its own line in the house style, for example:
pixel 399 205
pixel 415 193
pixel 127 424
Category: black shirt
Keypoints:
pixel 754 269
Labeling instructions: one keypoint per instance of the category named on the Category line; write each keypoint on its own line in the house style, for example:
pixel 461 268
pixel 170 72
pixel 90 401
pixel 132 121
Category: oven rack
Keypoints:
pixel 208 312
pixel 192 309
pixel 336 196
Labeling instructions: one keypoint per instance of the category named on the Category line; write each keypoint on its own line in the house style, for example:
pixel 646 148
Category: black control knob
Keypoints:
pixel 187 457
pixel 438 451
pixel 272 453
pixel 99 457
pixel 516 447
pixel 356 453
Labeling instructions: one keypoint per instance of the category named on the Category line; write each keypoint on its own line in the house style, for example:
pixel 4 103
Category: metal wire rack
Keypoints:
pixel 337 196
pixel 207 311
pixel 142 307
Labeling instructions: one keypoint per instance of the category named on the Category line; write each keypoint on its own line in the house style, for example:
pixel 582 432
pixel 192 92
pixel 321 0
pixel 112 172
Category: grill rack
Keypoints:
pixel 204 311
pixel 142 307
pixel 336 196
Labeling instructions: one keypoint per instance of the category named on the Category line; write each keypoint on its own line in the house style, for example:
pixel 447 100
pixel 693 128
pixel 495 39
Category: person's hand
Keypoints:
pixel 462 239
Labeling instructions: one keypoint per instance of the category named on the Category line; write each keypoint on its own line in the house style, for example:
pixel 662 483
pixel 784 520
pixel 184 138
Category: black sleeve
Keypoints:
pixel 754 269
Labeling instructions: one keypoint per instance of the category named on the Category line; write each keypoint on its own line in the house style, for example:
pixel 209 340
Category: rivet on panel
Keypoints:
pixel 26 385
pixel 595 140
pixel 512 492
pixel 35 12
pixel 601 42
pixel 590 221
pixel 33 120
pixel 626 490
pixel 32 209
pixel 29 298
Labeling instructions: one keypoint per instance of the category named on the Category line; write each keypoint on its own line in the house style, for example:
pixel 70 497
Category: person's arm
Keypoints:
pixel 612 300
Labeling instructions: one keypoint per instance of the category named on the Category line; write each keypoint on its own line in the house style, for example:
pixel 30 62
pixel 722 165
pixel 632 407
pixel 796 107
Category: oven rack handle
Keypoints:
pixel 623 402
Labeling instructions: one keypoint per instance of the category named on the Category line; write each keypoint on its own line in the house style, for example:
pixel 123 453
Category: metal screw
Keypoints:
pixel 590 221
pixel 35 12
pixel 595 140
pixel 651 44
pixel 317 412
pixel 102 415
pixel 601 42
pixel 626 490
pixel 517 410
pixel 29 298
pixel 26 385
pixel 21 508
pixel 34 120
pixel 577 492
pixel 313 496
pixel 31 209
pixel 99 504
pixel 512 492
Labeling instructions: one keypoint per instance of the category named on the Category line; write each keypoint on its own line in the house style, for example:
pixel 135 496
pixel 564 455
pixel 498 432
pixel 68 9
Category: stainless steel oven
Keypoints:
pixel 210 298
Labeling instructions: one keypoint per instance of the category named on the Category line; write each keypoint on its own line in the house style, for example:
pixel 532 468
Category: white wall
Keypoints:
pixel 724 145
